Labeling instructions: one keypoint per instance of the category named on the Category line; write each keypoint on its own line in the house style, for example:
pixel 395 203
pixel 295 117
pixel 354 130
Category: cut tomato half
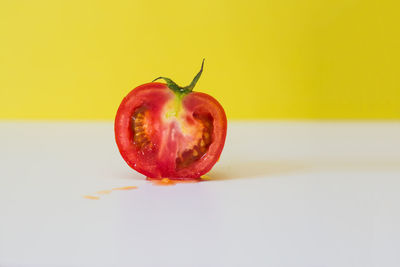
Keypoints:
pixel 168 131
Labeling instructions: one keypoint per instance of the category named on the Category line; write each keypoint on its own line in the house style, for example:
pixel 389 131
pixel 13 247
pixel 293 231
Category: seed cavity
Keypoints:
pixel 138 126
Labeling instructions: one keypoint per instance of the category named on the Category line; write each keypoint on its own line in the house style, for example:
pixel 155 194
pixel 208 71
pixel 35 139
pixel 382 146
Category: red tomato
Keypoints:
pixel 168 131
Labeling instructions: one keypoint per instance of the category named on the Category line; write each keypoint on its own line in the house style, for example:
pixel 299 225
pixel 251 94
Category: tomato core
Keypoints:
pixel 196 152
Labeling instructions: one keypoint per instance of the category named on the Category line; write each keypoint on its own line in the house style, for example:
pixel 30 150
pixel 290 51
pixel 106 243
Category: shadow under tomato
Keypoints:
pixel 252 169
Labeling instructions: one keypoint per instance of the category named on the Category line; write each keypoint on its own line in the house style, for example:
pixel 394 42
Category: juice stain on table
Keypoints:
pixel 104 192
pixel 107 192
pixel 91 197
pixel 125 188
pixel 161 182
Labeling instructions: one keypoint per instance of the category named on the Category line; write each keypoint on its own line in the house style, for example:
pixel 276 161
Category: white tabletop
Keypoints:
pixel 283 194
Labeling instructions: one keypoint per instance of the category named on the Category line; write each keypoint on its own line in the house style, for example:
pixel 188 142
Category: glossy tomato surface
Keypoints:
pixel 163 133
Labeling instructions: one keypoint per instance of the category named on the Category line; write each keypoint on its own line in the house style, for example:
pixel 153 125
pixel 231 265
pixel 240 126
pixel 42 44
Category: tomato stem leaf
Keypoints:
pixel 171 84
pixel 196 78
pixel 182 90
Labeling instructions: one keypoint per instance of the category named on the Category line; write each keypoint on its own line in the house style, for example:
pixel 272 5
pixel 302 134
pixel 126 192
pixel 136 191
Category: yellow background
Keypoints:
pixel 264 59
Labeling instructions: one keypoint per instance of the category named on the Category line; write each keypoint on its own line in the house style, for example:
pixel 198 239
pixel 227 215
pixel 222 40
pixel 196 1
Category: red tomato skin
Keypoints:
pixel 154 96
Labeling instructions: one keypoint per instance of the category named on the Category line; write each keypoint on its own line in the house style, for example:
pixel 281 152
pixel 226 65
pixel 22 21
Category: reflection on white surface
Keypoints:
pixel 283 194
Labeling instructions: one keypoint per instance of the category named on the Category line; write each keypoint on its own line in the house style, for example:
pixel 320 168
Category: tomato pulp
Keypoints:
pixel 168 131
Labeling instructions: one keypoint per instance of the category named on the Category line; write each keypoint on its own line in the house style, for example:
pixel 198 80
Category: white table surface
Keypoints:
pixel 284 194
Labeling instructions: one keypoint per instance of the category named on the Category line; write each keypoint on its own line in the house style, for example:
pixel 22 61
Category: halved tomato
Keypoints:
pixel 168 131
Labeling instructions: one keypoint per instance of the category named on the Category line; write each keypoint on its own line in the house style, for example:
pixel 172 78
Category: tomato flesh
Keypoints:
pixel 162 134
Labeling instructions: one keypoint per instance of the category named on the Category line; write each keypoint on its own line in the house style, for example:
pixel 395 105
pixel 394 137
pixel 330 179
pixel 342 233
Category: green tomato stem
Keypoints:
pixel 182 90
